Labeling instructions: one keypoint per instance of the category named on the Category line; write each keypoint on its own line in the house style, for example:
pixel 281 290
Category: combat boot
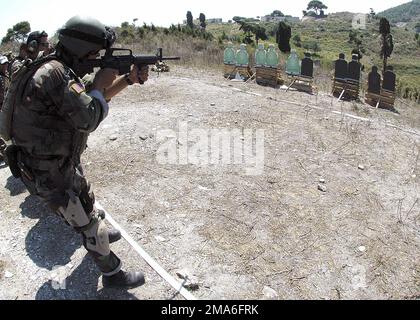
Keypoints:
pixel 114 235
pixel 123 279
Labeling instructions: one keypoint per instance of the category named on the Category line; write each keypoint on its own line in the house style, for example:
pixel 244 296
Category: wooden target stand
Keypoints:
pixel 346 88
pixel 270 77
pixel 230 71
pixel 301 83
pixel 384 100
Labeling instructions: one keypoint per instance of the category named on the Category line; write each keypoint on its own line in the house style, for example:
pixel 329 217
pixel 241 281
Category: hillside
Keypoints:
pixel 328 37
pixel 407 12
pixel 332 37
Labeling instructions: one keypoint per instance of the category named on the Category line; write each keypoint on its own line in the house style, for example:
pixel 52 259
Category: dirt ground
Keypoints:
pixel 334 214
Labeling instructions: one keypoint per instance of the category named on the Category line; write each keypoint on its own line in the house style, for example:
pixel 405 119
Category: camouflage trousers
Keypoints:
pixel 61 186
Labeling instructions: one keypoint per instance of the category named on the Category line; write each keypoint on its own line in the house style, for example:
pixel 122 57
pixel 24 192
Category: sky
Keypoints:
pixel 50 15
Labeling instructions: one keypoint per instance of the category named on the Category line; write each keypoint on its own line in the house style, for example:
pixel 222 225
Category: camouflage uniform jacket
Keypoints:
pixel 4 84
pixel 55 116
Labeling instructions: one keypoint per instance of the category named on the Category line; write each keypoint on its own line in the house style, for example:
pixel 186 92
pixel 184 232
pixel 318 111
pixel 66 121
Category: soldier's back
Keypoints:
pixel 38 127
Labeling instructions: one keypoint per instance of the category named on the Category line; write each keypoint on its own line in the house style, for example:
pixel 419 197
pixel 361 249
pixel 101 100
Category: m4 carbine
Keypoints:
pixel 122 62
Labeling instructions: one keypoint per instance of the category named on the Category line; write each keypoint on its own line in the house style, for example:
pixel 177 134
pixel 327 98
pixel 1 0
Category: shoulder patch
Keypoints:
pixel 76 87
pixel 50 76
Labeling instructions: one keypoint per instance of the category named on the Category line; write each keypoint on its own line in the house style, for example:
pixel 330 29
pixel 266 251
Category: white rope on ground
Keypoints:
pixel 351 116
pixel 150 261
pixel 247 92
pixel 403 130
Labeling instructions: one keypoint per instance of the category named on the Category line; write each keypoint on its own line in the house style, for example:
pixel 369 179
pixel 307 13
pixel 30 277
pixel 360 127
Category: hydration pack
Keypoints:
pixel 18 83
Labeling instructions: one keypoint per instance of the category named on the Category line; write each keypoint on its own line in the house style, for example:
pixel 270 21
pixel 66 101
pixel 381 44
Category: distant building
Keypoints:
pixel 214 20
pixel 208 21
pixel 269 18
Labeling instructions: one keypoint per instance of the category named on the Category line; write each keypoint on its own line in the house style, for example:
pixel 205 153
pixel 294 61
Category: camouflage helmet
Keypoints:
pixel 82 35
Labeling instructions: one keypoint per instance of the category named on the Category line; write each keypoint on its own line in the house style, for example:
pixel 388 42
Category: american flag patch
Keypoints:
pixel 77 88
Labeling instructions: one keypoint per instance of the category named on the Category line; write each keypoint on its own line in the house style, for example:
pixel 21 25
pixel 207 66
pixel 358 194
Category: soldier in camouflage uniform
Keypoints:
pixel 4 83
pixel 4 78
pixel 18 61
pixel 11 57
pixel 36 46
pixel 51 126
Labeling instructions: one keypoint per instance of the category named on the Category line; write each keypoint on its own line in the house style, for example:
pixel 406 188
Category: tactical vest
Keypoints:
pixel 13 96
pixel 34 123
pixel 4 85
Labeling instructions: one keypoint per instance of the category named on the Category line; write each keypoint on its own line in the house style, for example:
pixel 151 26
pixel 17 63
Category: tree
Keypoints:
pixel 190 20
pixel 127 31
pixel 309 14
pixel 238 19
pixel 355 37
pixel 260 33
pixel 17 33
pixel 312 46
pixel 297 41
pixel 248 29
pixel 252 29
pixel 202 19
pixel 387 41
pixel 277 13
pixel 224 36
pixel 317 6
pixel 283 36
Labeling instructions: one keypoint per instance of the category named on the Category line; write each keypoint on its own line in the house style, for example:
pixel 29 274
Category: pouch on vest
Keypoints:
pixel 10 157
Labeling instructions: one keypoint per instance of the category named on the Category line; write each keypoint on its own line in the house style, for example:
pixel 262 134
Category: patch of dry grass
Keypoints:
pixel 194 52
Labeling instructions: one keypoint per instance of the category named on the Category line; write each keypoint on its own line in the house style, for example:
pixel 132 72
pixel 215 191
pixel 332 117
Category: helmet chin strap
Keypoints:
pixel 71 61
pixel 63 55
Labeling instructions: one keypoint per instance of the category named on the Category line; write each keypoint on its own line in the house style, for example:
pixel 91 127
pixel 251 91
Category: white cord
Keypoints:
pixel 150 261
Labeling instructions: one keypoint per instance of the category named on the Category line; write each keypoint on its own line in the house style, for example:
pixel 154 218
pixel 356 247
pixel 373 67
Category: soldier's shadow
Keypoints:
pixel 51 244
pixel 82 284
pixel 15 186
